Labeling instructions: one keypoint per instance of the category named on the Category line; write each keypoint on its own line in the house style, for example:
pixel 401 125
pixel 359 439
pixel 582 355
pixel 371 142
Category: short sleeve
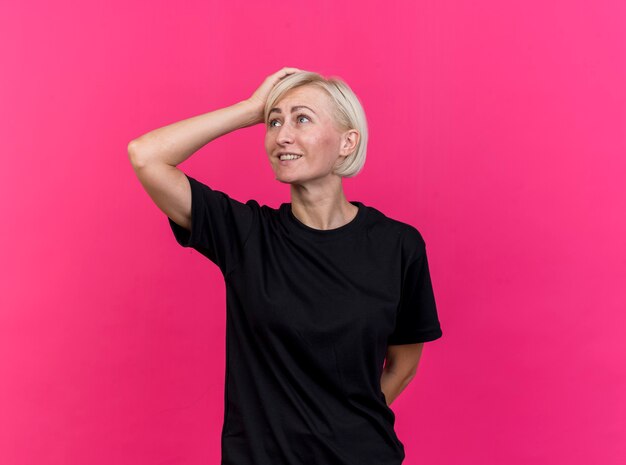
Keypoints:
pixel 220 225
pixel 417 319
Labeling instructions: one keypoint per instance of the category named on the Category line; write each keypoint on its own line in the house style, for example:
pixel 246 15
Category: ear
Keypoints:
pixel 350 139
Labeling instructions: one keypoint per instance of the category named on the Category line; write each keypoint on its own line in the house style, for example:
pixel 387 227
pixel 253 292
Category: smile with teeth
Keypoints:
pixel 289 156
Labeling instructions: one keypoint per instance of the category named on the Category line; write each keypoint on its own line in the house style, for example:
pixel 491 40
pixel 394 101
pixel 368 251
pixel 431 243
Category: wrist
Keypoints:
pixel 254 110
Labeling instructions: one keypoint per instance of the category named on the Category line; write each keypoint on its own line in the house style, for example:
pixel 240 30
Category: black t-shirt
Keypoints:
pixel 309 316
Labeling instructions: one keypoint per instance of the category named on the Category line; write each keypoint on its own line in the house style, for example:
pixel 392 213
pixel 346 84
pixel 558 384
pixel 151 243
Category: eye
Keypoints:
pixel 270 123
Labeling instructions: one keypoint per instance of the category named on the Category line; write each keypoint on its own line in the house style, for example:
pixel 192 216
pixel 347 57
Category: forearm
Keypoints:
pixel 174 143
pixel 392 384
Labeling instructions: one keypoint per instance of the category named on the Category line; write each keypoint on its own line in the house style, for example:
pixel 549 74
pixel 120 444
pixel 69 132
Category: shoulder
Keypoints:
pixel 378 220
pixel 409 236
pixel 413 244
pixel 201 189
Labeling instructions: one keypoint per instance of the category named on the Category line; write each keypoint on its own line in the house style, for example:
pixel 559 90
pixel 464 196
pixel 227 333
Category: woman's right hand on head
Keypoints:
pixel 259 97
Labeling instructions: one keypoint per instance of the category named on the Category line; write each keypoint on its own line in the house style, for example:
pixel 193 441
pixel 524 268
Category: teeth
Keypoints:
pixel 289 156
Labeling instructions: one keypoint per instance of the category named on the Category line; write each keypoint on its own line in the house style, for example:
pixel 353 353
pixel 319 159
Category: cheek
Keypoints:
pixel 322 141
pixel 328 146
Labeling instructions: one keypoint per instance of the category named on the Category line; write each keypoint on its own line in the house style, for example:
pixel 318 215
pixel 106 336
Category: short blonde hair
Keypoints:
pixel 348 112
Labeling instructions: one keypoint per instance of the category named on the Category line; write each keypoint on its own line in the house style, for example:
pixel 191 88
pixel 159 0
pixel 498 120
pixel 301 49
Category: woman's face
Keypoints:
pixel 301 123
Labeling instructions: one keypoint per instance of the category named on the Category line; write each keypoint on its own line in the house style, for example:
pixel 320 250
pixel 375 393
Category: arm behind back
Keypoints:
pixel 168 188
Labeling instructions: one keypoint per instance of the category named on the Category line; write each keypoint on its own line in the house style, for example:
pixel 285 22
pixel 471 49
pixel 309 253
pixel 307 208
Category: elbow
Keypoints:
pixel 142 151
pixel 134 152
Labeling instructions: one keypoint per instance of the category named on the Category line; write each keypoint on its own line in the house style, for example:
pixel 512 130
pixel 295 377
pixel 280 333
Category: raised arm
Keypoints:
pixel 156 154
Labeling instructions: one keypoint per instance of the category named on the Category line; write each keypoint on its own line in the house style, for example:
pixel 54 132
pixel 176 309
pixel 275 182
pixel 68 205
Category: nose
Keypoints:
pixel 285 135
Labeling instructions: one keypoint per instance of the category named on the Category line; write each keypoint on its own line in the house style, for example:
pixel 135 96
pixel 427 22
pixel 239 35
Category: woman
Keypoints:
pixel 319 291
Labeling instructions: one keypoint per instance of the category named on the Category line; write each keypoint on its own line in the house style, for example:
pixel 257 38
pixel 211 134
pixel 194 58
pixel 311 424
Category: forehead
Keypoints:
pixel 310 96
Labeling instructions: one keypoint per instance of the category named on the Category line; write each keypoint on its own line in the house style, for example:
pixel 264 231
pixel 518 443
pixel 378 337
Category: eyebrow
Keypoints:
pixel 295 108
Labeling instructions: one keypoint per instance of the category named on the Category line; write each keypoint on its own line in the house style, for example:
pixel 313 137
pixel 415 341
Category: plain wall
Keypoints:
pixel 496 128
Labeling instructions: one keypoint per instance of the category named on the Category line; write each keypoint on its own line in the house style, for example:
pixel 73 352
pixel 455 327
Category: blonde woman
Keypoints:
pixel 320 291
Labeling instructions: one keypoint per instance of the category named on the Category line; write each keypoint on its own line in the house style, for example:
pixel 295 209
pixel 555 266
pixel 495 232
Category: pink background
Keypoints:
pixel 496 128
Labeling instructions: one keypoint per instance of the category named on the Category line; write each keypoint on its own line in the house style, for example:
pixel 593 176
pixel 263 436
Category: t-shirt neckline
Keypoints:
pixel 301 229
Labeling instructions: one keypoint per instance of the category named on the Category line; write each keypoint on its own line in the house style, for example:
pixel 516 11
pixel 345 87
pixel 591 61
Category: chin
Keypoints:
pixel 283 180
